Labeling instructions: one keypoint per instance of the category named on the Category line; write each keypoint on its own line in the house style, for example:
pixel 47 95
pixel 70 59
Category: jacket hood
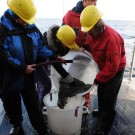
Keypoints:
pixel 7 21
pixel 79 7
pixel 50 37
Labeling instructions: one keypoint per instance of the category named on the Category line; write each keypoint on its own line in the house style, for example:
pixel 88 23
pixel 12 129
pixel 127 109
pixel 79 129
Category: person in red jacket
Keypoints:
pixel 72 18
pixel 107 49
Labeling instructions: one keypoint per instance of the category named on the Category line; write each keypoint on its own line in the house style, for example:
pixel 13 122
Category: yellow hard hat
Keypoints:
pixel 25 9
pixel 67 36
pixel 89 17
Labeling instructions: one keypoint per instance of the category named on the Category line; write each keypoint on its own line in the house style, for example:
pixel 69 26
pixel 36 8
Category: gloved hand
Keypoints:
pixel 60 59
pixel 68 79
pixel 73 81
pixel 86 47
pixel 96 82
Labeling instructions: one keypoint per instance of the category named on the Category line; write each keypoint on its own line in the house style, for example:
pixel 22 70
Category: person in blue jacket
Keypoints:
pixel 20 46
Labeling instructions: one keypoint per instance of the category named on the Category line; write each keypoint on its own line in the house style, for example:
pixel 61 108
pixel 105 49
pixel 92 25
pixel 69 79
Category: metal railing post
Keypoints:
pixel 132 63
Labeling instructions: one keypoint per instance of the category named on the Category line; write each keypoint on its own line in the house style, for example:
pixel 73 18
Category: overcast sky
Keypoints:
pixel 112 9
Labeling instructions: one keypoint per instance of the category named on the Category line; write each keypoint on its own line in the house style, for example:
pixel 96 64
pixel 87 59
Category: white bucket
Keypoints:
pixel 68 121
pixel 65 121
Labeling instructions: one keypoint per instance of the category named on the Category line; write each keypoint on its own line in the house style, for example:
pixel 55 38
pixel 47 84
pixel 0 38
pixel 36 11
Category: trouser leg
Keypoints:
pixel 30 97
pixel 43 84
pixel 100 92
pixel 12 106
pixel 110 93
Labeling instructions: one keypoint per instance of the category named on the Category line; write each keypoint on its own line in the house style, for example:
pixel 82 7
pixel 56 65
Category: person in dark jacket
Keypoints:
pixel 107 49
pixel 60 39
pixel 72 18
pixel 44 82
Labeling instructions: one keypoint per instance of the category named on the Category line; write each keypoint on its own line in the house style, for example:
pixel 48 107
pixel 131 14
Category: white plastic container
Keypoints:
pixel 65 121
pixel 68 121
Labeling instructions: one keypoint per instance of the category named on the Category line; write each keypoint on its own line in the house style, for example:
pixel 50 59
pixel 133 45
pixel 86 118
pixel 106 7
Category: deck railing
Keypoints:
pixel 132 64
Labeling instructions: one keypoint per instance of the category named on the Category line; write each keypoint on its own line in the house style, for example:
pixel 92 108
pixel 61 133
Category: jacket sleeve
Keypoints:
pixel 113 58
pixel 46 53
pixel 6 60
pixel 59 68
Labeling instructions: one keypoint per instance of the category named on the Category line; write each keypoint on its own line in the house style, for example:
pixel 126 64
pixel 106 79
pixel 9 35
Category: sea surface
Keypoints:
pixel 125 28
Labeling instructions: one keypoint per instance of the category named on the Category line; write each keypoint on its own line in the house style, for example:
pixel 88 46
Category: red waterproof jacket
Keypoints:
pixel 108 51
pixel 73 19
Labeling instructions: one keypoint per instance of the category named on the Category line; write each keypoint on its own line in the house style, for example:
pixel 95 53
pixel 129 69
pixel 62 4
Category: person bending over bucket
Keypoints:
pixel 61 39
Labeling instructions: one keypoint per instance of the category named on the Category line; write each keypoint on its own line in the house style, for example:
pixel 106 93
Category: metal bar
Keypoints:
pixel 80 62
pixel 132 63
pixel 53 62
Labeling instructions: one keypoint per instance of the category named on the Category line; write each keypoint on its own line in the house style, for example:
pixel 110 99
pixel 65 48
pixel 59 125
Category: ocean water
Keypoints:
pixel 125 28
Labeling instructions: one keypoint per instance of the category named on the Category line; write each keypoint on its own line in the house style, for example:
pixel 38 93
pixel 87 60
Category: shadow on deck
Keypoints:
pixel 124 123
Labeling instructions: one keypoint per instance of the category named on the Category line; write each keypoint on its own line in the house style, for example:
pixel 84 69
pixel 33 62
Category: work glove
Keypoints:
pixel 60 59
pixel 96 82
pixel 73 81
pixel 68 79
pixel 86 47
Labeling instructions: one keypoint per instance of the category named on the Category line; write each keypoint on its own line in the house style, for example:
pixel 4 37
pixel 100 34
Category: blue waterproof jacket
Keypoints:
pixel 19 47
